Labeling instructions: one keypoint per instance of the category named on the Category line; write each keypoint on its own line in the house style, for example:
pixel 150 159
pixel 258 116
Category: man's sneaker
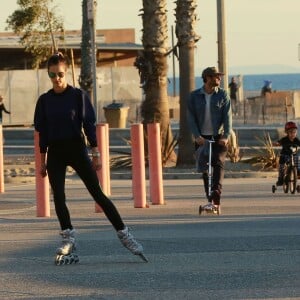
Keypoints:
pixel 67 243
pixel 129 241
pixel 209 208
pixel 217 209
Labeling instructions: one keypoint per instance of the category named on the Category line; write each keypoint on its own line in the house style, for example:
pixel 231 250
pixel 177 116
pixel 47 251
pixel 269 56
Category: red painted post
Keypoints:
pixel 2 188
pixel 155 165
pixel 108 158
pixel 138 166
pixel 41 183
pixel 102 173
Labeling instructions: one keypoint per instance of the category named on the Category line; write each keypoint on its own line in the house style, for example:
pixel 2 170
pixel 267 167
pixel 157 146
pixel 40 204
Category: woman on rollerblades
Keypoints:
pixel 210 118
pixel 60 116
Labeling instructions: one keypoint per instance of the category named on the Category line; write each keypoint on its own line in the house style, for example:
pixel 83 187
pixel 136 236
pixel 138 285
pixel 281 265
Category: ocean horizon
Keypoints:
pixel 280 82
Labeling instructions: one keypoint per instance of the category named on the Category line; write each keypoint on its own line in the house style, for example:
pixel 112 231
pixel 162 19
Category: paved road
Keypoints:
pixel 251 251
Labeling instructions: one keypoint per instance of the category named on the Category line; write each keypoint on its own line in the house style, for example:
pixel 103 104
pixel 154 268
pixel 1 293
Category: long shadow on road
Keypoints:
pixel 230 257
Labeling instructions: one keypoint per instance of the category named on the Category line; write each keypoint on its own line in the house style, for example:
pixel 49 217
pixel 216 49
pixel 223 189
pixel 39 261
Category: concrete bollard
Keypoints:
pixel 2 187
pixel 155 164
pixel 108 157
pixel 103 174
pixel 138 166
pixel 41 183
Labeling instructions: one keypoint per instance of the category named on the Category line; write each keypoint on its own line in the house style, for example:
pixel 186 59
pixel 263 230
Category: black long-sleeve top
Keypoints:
pixel 61 117
pixel 286 144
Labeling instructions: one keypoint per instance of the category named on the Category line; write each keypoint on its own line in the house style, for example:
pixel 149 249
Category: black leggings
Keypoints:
pixel 74 154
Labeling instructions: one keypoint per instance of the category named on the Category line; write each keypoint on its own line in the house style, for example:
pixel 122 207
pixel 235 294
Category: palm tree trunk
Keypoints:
pixel 152 64
pixel 85 78
pixel 187 38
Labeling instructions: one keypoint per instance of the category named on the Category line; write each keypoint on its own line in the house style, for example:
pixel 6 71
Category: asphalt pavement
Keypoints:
pixel 251 251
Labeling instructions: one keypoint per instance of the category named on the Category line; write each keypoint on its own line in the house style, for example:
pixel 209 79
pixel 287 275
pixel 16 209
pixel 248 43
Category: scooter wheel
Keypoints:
pixel 200 209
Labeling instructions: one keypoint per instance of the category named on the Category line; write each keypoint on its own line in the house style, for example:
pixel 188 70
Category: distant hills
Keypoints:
pixel 264 69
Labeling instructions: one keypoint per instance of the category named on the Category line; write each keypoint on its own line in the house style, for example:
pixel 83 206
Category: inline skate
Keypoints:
pixel 131 244
pixel 66 253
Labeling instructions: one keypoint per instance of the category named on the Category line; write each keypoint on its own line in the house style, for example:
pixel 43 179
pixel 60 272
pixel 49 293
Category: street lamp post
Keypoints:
pixel 91 8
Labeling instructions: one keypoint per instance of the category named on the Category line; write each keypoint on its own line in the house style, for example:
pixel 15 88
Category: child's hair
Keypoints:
pixel 56 59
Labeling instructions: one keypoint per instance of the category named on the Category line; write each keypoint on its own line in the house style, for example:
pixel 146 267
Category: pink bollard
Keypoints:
pixel 138 166
pixel 155 165
pixel 102 173
pixel 108 158
pixel 2 188
pixel 41 183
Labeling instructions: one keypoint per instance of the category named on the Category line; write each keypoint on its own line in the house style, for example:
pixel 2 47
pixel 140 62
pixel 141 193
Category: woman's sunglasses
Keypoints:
pixel 54 75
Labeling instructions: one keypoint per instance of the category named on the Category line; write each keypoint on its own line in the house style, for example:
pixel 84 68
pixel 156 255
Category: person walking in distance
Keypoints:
pixel 60 116
pixel 2 108
pixel 210 117
pixel 233 88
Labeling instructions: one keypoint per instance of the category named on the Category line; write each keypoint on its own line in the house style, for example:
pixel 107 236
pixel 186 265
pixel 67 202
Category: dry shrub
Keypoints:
pixel 267 157
pixel 124 159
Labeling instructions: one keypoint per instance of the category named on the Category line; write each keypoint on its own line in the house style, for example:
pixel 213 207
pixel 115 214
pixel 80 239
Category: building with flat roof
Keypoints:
pixel 115 47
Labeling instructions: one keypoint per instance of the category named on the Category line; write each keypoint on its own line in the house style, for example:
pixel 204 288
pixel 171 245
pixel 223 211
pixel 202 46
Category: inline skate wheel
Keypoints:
pixel 66 259
pixel 75 258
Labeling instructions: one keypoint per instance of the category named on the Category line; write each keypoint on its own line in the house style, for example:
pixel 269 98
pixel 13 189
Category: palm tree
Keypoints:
pixel 152 65
pixel 187 38
pixel 85 78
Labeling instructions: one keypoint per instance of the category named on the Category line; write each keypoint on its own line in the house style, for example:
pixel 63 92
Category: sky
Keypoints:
pixel 262 36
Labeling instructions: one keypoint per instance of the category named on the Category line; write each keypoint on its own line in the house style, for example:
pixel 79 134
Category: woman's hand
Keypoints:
pixel 96 163
pixel 96 159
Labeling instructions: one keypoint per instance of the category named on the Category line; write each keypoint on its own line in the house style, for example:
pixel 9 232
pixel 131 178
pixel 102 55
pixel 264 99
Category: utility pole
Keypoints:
pixel 222 55
pixel 91 9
